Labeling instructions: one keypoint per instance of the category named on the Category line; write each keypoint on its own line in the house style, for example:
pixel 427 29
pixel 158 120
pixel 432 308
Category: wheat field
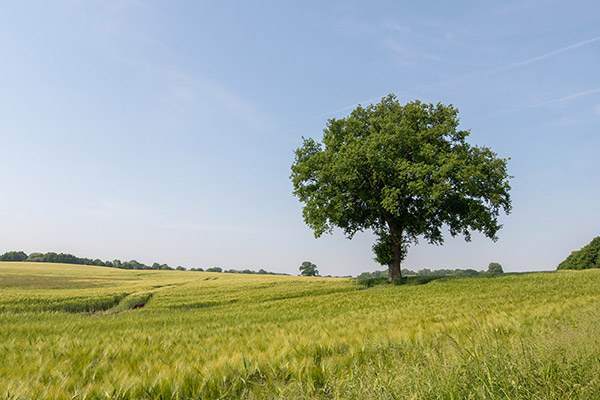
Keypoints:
pixel 82 332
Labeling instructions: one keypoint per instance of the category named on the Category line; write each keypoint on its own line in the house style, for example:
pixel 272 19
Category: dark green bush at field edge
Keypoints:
pixel 427 275
pixel 13 256
pixel 587 257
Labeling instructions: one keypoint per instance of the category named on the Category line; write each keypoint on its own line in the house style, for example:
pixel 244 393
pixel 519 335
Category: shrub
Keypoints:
pixel 13 256
pixel 587 257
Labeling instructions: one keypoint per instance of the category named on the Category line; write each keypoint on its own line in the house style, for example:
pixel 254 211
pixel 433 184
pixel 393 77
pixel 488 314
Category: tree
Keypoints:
pixel 13 256
pixel 587 257
pixel 133 264
pixel 35 257
pixel 403 172
pixel 308 269
pixel 495 268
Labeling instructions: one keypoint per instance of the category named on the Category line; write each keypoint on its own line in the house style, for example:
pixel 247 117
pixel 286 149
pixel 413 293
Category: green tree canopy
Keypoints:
pixel 308 269
pixel 13 256
pixel 587 257
pixel 495 268
pixel 402 171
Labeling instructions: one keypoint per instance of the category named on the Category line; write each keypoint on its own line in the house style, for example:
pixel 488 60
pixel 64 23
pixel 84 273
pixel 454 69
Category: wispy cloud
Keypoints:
pixel 486 73
pixel 350 107
pixel 200 227
pixel 518 7
pixel 122 27
pixel 111 210
pixel 559 100
pixel 567 98
pixel 187 93
pixel 543 56
pixel 411 45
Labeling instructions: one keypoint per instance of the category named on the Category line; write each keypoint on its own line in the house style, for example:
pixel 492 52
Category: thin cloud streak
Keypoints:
pixel 346 108
pixel 544 56
pixel 540 104
pixel 567 98
pixel 200 227
pixel 483 73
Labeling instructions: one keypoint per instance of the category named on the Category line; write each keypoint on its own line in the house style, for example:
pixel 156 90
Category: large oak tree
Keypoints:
pixel 404 172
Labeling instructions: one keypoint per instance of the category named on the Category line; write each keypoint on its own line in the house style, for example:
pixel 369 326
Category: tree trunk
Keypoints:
pixel 394 271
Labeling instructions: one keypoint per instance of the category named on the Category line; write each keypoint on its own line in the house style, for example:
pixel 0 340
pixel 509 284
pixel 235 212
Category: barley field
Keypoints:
pixel 82 332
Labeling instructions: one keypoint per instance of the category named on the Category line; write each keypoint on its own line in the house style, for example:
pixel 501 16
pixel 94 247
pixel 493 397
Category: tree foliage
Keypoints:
pixel 404 172
pixel 495 268
pixel 13 256
pixel 308 269
pixel 587 257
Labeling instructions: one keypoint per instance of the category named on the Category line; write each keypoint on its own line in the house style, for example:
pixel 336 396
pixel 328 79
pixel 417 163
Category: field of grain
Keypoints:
pixel 82 332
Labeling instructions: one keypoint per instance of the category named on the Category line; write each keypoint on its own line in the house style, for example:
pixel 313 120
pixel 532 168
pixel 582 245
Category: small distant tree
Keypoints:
pixel 495 268
pixel 308 269
pixel 214 269
pixel 180 268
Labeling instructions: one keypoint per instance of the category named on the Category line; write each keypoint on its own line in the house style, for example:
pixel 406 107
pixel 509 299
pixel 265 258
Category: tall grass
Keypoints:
pixel 208 335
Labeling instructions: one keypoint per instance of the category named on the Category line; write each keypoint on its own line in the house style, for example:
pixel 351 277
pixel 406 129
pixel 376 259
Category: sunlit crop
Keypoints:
pixel 81 332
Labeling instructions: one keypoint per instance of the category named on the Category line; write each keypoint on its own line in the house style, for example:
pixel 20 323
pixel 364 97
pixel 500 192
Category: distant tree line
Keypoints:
pixel 494 268
pixel 244 271
pixel 63 258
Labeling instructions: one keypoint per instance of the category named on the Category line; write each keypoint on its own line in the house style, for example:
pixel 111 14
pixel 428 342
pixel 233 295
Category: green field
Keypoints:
pixel 82 332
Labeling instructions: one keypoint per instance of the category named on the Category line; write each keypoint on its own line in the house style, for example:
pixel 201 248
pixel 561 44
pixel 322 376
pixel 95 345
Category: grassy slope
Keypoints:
pixel 247 336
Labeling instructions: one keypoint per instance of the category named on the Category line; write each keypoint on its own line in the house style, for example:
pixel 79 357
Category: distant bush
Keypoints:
pixel 13 256
pixel 587 257
pixel 406 280
pixel 370 281
pixel 419 280
pixel 425 275
pixel 162 267
pixel 246 271
pixel 35 257
pixel 374 275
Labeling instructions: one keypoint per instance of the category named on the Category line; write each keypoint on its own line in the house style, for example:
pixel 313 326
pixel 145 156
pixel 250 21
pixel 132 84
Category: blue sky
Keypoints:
pixel 165 131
